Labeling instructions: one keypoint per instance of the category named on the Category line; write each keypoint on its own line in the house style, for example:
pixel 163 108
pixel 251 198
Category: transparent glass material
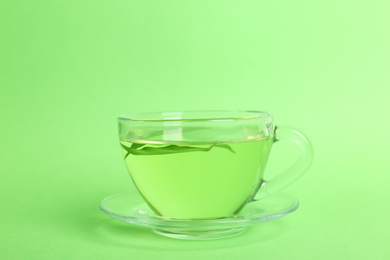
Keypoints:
pixel 204 167
pixel 131 208
pixel 196 126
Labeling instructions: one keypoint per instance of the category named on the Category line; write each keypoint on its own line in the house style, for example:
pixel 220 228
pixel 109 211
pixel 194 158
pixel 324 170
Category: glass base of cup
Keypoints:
pixel 199 235
pixel 131 208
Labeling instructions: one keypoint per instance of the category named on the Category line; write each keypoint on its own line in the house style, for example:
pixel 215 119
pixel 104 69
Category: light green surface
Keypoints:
pixel 67 69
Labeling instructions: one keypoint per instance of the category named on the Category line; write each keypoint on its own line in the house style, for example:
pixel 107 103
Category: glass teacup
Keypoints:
pixel 205 165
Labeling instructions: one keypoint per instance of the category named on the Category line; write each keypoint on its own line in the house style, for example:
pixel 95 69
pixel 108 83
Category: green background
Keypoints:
pixel 69 68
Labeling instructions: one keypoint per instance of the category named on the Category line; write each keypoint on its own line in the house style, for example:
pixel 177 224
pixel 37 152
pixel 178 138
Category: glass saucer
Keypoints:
pixel 130 207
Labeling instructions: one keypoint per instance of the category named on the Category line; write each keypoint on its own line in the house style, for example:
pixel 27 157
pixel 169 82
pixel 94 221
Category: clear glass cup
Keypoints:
pixel 205 165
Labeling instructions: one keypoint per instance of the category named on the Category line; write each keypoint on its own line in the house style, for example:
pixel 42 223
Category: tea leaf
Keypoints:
pixel 168 150
pixel 127 149
pixel 226 146
pixel 137 145
pixel 140 149
pixel 132 148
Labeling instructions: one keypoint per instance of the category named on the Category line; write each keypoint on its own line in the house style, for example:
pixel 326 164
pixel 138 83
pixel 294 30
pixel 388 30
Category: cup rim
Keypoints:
pixel 193 115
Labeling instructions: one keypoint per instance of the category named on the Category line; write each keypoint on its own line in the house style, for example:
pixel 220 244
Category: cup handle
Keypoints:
pixel 296 170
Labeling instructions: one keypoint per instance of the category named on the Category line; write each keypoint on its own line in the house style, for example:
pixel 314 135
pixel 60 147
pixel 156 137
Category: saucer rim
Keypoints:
pixel 156 222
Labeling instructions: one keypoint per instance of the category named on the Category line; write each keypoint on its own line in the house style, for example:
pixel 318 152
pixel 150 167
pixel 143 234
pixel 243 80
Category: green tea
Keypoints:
pixel 197 181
